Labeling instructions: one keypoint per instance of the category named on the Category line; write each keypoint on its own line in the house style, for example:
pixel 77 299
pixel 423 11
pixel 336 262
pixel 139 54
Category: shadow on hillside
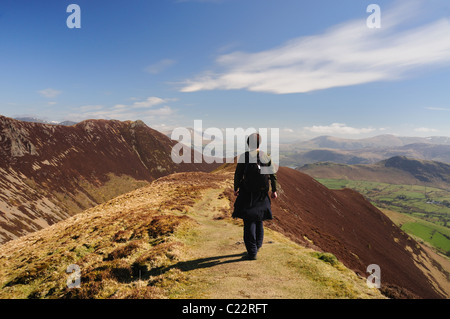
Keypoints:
pixel 199 263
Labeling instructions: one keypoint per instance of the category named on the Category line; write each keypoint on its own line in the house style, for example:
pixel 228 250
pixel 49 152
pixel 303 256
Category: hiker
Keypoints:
pixel 251 188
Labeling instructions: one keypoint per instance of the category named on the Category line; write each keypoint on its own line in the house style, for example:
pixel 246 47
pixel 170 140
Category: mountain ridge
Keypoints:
pixel 171 239
pixel 50 172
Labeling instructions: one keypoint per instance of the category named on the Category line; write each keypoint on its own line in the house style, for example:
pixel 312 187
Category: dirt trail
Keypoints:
pixel 216 268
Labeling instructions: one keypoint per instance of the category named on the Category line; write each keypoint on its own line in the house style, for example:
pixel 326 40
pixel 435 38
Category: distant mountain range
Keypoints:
pixel 37 120
pixel 395 170
pixel 380 141
pixel 364 151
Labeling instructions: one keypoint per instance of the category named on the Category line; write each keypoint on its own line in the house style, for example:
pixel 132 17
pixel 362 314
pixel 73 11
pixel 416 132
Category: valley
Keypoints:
pixel 427 206
pixel 417 188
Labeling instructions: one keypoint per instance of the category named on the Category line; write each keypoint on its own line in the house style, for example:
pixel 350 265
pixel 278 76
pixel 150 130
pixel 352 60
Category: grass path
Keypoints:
pixel 215 267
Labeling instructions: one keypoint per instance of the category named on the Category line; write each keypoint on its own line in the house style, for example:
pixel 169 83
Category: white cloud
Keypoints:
pixel 87 108
pixel 425 130
pixel 49 93
pixel 143 110
pixel 338 128
pixel 345 55
pixel 163 111
pixel 159 66
pixel 437 108
pixel 149 102
pixel 146 103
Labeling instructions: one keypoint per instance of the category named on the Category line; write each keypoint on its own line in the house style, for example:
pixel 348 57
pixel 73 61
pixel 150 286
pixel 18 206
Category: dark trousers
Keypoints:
pixel 253 236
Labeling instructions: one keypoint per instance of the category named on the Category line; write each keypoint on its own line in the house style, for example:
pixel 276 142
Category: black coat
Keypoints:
pixel 251 206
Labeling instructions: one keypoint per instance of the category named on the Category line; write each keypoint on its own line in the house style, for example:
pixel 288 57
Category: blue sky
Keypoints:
pixel 308 68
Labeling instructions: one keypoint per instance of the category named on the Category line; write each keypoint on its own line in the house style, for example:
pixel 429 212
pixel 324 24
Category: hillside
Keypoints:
pixel 174 239
pixel 345 223
pixel 51 172
pixel 395 170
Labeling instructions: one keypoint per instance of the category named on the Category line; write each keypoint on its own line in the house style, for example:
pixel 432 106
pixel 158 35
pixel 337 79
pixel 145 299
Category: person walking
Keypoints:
pixel 254 172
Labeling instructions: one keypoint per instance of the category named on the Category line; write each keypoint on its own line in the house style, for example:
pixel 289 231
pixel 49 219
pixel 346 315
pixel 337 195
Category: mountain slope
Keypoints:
pixel 344 223
pixel 50 172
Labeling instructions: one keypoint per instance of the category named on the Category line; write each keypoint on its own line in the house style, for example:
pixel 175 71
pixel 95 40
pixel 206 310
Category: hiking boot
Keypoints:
pixel 250 257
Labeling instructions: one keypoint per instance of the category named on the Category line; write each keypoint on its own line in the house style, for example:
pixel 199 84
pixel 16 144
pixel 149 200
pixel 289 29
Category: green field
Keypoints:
pixel 429 234
pixel 429 206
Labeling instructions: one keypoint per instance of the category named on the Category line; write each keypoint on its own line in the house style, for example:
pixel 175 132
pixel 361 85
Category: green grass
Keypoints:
pixel 429 233
pixel 430 206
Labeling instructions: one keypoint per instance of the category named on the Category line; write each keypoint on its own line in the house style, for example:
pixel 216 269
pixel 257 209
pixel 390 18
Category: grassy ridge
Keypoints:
pixel 429 207
pixel 172 239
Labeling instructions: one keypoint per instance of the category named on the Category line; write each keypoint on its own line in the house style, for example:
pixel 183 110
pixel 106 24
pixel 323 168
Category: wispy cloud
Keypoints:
pixel 345 55
pixel 159 66
pixel 425 130
pixel 147 103
pixel 140 109
pixel 338 129
pixel 49 93
pixel 438 108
